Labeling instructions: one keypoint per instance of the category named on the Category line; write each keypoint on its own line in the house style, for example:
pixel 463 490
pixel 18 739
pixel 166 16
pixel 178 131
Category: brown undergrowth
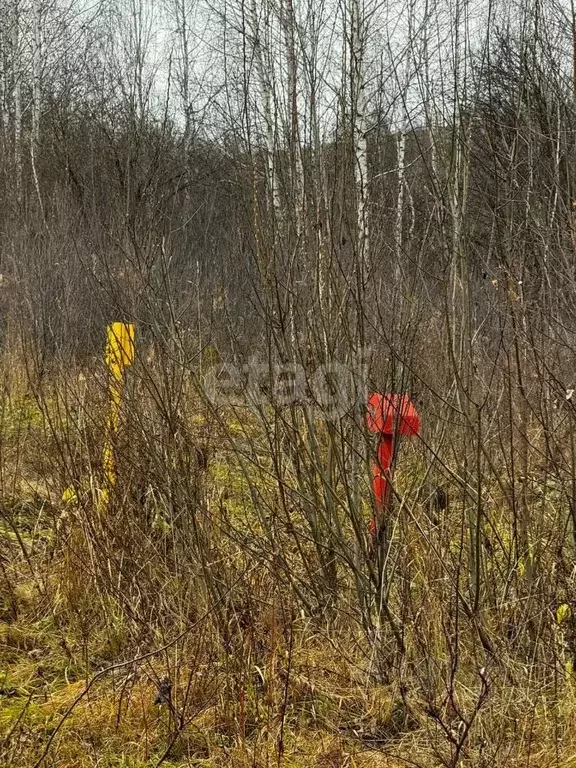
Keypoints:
pixel 192 620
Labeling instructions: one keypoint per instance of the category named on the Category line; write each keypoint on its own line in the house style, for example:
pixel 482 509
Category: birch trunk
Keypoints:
pixel 17 75
pixel 265 84
pixel 359 131
pixel 4 64
pixel 398 229
pixel 36 95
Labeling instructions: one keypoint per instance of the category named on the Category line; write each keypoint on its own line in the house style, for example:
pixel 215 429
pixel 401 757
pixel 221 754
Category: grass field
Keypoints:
pixel 192 622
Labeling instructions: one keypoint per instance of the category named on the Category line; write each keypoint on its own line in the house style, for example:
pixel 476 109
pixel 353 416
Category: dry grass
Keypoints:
pixel 95 613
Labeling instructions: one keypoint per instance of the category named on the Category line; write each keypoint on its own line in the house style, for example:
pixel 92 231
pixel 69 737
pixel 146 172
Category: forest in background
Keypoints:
pixel 382 192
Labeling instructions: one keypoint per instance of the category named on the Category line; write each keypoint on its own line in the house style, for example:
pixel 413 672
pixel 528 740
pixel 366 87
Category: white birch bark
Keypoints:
pixel 399 225
pixel 4 65
pixel 359 130
pixel 36 70
pixel 36 93
pixel 258 31
pixel 17 76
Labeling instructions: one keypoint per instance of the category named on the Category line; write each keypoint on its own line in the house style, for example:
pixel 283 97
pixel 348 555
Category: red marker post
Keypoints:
pixel 389 416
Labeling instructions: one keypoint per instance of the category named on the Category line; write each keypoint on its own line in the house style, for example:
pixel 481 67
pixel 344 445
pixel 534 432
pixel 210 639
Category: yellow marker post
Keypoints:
pixel 119 353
